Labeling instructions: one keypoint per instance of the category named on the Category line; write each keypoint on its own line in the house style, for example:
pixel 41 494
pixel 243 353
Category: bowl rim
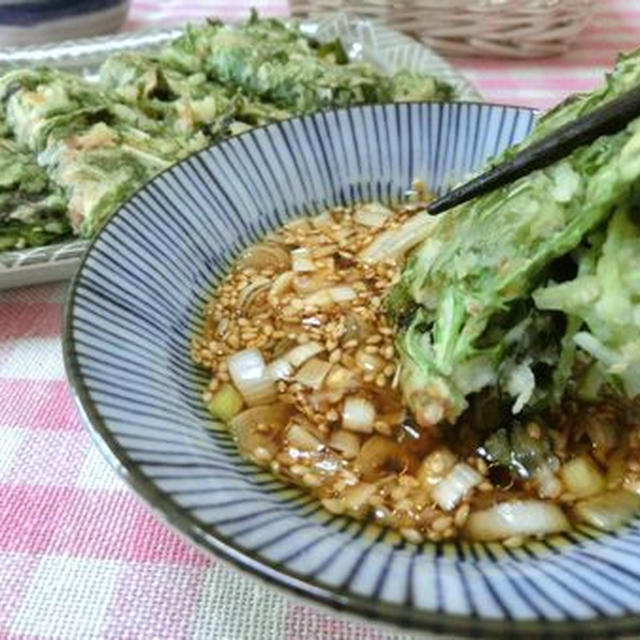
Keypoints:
pixel 397 616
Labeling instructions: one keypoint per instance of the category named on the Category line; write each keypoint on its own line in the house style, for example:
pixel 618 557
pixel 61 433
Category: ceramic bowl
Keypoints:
pixel 137 300
pixel 25 22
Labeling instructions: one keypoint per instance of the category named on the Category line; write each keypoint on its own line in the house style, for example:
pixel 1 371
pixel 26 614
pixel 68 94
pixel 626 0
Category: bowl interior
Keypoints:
pixel 137 300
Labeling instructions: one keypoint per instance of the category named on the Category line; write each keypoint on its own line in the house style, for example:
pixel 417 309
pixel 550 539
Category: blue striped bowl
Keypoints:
pixel 137 300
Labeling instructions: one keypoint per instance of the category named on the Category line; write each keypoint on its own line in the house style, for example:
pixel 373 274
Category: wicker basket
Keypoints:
pixel 511 28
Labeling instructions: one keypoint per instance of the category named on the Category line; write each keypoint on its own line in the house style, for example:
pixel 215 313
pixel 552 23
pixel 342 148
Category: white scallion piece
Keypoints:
pixel 455 485
pixel 394 243
pixel 358 414
pixel 265 255
pixel 244 427
pixel 516 518
pixel 369 362
pixel 321 298
pixel 435 466
pixel 275 415
pixel 303 352
pixel 347 443
pixel 279 287
pixel 251 291
pixel 356 498
pixel 332 295
pixel 250 376
pixel 582 477
pixel 608 510
pixel 301 261
pixel 280 369
pixel 372 214
pixel 323 219
pixel 342 293
pixel 302 439
pixel 313 373
pixel 340 379
pixel 548 484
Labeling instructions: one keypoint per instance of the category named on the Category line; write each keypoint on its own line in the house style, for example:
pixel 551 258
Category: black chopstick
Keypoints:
pixel 610 118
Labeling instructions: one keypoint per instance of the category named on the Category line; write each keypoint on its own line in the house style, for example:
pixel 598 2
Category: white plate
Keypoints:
pixel 387 49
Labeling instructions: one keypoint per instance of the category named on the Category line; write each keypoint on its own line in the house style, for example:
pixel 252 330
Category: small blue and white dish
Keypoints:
pixel 25 22
pixel 137 300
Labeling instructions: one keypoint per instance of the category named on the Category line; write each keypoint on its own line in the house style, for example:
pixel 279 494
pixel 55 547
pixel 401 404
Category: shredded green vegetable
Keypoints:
pixel 94 144
pixel 511 289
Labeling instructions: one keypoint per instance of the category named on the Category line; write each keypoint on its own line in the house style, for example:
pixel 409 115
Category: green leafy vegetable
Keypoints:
pixel 493 290
pixel 32 210
pixel 86 147
pixel 607 301
pixel 274 62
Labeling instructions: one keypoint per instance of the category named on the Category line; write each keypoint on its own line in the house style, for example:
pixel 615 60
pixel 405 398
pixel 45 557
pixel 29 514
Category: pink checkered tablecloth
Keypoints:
pixel 80 557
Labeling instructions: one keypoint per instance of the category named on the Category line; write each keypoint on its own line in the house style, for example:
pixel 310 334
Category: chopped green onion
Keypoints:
pixel 226 403
pixel 300 354
pixel 372 214
pixel 608 511
pixel 358 414
pixel 394 243
pixel 302 439
pixel 301 261
pixel 250 376
pixel 346 442
pixel 313 373
pixel 582 477
pixel 516 518
pixel 455 485
pixel 280 369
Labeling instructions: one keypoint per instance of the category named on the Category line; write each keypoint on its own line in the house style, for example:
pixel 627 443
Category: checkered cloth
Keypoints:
pixel 80 557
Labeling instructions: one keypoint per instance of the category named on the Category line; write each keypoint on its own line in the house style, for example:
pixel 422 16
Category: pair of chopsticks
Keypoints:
pixel 610 118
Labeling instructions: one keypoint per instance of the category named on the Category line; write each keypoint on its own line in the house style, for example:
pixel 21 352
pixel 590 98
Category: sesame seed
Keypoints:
pixel 311 479
pixel 442 523
pixel 383 428
pixel 334 241
pixel 376 500
pixel 513 541
pixel 412 535
pixel 388 352
pixel 261 454
pixel 461 515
